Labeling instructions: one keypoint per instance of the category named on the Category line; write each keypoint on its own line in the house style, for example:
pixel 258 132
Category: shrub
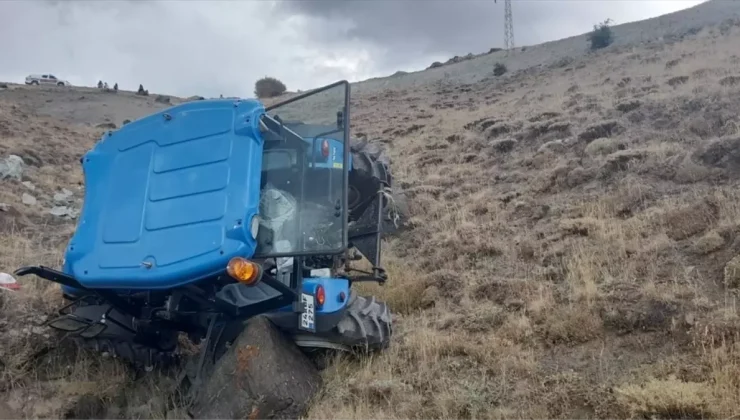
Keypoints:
pixel 499 69
pixel 268 87
pixel 601 36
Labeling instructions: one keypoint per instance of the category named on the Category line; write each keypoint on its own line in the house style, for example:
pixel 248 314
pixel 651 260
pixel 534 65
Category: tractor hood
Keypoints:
pixel 169 198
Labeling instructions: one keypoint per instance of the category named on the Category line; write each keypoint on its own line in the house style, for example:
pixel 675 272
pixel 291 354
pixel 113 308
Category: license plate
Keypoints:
pixel 308 319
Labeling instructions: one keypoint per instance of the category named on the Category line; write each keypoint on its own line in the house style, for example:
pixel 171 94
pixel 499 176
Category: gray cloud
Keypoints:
pixel 411 29
pixel 212 47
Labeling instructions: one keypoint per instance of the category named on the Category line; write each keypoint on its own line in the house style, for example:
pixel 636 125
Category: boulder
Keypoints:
pixel 262 375
pixel 11 167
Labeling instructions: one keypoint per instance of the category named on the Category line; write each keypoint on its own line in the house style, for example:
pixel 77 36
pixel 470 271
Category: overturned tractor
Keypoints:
pixel 208 214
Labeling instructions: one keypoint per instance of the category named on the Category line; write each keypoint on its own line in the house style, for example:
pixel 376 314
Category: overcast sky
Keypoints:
pixel 212 47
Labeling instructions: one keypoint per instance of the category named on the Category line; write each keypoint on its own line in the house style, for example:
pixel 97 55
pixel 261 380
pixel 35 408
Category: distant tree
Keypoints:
pixel 269 87
pixel 499 69
pixel 601 36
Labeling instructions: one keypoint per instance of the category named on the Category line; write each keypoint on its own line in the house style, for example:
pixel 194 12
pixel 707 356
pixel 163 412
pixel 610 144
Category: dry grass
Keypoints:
pixel 569 230
pixel 579 263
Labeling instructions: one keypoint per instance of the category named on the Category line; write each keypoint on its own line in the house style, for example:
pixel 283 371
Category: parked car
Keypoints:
pixel 45 79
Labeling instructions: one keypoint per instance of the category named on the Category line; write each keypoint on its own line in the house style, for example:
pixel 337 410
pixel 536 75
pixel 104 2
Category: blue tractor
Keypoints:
pixel 210 212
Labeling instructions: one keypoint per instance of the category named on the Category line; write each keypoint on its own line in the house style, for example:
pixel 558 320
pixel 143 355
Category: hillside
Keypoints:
pixel 573 248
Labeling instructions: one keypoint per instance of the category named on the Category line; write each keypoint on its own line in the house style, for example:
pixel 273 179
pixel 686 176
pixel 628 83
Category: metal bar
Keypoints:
pixel 345 169
pixel 380 227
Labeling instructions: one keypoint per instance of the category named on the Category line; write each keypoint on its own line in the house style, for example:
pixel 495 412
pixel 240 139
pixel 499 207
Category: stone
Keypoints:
pixel 266 376
pixel 63 211
pixel 11 167
pixel 63 197
pixel 29 185
pixel 28 199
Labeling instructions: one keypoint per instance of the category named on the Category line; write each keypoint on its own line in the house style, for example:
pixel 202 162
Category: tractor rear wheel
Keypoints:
pixel 367 323
pixel 366 326
pixel 370 169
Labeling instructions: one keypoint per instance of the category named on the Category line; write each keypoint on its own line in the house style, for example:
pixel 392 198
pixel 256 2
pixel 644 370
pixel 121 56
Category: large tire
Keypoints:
pixel 370 165
pixel 366 325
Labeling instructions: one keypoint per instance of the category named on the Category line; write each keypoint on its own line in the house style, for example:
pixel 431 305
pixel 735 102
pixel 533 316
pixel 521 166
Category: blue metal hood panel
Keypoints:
pixel 169 198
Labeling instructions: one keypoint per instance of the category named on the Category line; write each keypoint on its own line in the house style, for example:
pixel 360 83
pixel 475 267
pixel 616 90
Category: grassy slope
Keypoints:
pixel 571 228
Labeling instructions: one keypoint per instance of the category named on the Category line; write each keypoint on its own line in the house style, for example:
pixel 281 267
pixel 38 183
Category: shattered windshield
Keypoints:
pixel 302 204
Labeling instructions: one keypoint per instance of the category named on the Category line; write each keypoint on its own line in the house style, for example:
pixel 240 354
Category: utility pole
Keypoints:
pixel 508 26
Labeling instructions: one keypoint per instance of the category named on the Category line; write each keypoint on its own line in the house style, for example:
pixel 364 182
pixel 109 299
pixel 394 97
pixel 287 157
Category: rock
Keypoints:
pixel 435 65
pixel 126 121
pixel 162 99
pixel 710 242
pixel 3 85
pixel 4 207
pixel 262 375
pixel 732 273
pixel 63 197
pixel 108 125
pixel 28 199
pixel 63 211
pixel 504 145
pixel 11 167
pixel 29 185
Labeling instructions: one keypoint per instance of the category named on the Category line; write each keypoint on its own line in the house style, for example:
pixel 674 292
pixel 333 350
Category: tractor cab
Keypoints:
pixel 303 183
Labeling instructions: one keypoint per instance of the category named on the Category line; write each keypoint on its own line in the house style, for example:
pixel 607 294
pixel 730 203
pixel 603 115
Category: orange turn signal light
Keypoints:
pixel 244 271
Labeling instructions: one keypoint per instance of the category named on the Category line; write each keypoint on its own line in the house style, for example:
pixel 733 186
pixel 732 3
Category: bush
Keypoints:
pixel 601 36
pixel 499 69
pixel 268 87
